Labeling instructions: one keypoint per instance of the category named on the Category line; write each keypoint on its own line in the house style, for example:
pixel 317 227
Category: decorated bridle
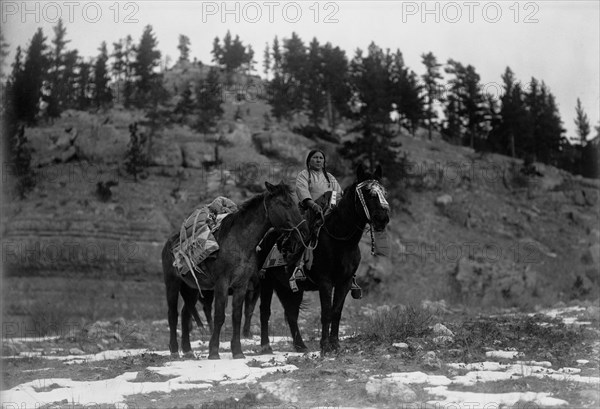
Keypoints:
pixel 373 186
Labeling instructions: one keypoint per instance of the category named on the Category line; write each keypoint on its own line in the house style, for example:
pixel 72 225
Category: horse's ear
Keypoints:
pixel 360 172
pixel 378 172
pixel 269 187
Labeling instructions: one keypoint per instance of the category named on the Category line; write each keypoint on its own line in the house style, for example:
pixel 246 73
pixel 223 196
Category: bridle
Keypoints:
pixel 289 229
pixel 376 187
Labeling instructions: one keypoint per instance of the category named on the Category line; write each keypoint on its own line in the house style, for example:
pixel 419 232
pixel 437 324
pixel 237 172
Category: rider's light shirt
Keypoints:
pixel 314 186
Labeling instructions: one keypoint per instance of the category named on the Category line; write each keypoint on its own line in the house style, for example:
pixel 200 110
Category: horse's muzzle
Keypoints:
pixel 380 220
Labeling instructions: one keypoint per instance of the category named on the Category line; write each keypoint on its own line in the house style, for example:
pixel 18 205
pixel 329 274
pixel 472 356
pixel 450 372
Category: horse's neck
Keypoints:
pixel 345 223
pixel 249 229
pixel 255 227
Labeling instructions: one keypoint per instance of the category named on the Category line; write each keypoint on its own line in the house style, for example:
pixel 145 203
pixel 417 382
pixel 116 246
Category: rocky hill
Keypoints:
pixel 466 227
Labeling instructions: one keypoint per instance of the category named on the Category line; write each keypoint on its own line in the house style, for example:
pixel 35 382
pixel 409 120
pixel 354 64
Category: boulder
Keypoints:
pixel 430 361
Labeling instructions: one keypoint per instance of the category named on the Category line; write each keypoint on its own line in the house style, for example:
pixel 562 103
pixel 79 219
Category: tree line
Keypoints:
pixel 374 89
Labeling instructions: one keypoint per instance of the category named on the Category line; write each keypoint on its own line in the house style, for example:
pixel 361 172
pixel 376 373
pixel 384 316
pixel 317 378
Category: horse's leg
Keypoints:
pixel 339 297
pixel 325 295
pixel 190 297
pixel 266 295
pixel 291 306
pixel 172 286
pixel 207 300
pixel 220 294
pixel 237 305
pixel 249 305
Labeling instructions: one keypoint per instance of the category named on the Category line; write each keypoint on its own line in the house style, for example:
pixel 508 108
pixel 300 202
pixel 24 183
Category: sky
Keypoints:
pixel 557 42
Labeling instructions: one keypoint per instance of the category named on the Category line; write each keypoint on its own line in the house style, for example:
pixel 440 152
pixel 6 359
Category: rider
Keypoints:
pixel 312 183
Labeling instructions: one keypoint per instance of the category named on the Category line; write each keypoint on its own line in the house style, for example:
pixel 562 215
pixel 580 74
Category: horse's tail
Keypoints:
pixel 192 309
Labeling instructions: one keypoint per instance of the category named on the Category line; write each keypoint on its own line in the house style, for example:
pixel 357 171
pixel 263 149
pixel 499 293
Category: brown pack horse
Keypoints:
pixel 231 269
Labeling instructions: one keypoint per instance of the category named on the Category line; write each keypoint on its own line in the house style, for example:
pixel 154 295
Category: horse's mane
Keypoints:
pixel 248 206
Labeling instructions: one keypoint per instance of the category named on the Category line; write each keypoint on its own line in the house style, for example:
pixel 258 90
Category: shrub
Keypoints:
pixel 397 323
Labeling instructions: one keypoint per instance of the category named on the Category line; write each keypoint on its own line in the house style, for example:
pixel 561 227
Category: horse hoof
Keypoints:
pixel 239 356
pixel 189 355
pixel 266 349
pixel 174 355
pixel 214 356
pixel 301 348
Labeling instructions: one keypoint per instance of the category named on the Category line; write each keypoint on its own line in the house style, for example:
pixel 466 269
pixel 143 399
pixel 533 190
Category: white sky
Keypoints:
pixel 554 41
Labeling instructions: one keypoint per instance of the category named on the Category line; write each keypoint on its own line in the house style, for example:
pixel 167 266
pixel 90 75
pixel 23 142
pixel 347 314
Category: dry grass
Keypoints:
pixel 397 323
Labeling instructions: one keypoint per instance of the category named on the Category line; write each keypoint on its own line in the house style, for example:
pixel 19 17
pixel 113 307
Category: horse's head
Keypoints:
pixel 281 209
pixel 371 195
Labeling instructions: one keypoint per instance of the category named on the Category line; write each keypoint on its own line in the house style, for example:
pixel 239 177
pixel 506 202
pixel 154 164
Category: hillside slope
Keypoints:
pixel 467 228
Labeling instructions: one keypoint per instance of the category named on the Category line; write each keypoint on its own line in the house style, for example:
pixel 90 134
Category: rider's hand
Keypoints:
pixel 316 208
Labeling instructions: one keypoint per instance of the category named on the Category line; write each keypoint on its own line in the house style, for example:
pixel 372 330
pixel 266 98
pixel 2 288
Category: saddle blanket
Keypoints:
pixel 274 259
pixel 196 237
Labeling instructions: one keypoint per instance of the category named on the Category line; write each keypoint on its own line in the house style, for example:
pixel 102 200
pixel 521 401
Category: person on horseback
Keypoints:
pixel 312 183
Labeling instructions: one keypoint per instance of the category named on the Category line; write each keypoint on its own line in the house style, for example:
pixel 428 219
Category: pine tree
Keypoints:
pixel 371 101
pixel 249 61
pixel 314 86
pixel 430 78
pixel 582 123
pixel 84 84
pixel 3 55
pixel 34 72
pixel 184 48
pixel 58 76
pixel 102 94
pixel 266 61
pixel 147 60
pixel 513 126
pixel 276 57
pixel 335 83
pixel 20 152
pixel 546 124
pixel 136 158
pixel 208 97
pixel 294 66
pixel 469 104
pixel 406 91
pixel 186 105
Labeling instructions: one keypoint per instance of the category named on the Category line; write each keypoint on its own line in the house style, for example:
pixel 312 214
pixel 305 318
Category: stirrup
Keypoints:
pixel 298 273
pixel 293 284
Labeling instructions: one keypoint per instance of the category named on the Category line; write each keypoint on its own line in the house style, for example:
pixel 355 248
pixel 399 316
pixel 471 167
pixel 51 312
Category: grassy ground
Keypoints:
pixel 339 379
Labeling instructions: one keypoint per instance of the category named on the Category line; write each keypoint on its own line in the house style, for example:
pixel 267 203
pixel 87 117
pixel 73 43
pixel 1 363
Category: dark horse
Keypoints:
pixel 235 263
pixel 335 261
